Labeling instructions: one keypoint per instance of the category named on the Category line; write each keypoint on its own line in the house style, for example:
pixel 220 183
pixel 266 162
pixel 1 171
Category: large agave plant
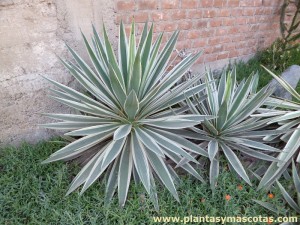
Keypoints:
pixel 125 123
pixel 287 119
pixel 237 129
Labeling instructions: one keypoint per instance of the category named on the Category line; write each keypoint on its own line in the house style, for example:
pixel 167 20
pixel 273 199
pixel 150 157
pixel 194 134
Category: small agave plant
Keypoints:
pixel 237 129
pixel 288 119
pixel 292 201
pixel 126 121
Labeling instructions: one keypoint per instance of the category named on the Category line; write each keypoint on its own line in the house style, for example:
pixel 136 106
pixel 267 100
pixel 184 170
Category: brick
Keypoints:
pixel 214 41
pixel 264 26
pixel 165 38
pixel 258 2
pixel 219 3
pixel 248 12
pixel 158 16
pixel 127 29
pixel 207 3
pixel 241 20
pixel 170 4
pixel 189 4
pixel 237 12
pixel 226 39
pixel 229 47
pixel 139 29
pixel 247 51
pixel 221 32
pixel 168 26
pixel 124 18
pixel 185 25
pixel 244 3
pixel 199 43
pixel 179 15
pixel 125 5
pixel 270 3
pixel 195 14
pixel 215 22
pixel 224 13
pixel 263 19
pixel 207 33
pixel 210 58
pixel 237 38
pixel 200 24
pixel 233 3
pixel 182 35
pixel 243 29
pixel 200 60
pixel 223 56
pixel 251 43
pixel 233 30
pixel 241 44
pixel 254 27
pixel 233 53
pixel 251 20
pixel 268 11
pixel 218 48
pixel 141 17
pixel 259 11
pixel 193 34
pixel 147 4
pixel 228 21
pixel 208 50
pixel 209 13
pixel 183 44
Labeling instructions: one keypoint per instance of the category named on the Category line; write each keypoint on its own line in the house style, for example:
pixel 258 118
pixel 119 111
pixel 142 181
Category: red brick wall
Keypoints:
pixel 223 29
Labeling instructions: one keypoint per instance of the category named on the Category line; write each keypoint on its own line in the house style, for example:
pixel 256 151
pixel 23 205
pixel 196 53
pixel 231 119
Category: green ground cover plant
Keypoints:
pixel 32 193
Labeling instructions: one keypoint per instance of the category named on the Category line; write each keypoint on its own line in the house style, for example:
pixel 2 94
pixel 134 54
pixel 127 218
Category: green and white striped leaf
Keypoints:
pixel 163 173
pixel 235 163
pixel 213 149
pixel 140 161
pixel 122 131
pixel 288 198
pixel 125 170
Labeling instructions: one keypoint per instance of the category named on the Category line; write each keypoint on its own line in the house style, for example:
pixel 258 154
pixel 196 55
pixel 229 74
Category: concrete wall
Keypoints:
pixel 32 32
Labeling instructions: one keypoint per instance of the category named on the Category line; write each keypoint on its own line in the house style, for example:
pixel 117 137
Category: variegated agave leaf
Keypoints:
pixel 287 119
pixel 128 123
pixel 233 130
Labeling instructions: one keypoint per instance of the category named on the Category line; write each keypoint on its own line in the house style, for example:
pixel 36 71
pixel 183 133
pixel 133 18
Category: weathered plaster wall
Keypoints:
pixel 32 32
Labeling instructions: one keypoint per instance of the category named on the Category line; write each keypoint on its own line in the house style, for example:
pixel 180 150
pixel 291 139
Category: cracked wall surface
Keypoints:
pixel 32 33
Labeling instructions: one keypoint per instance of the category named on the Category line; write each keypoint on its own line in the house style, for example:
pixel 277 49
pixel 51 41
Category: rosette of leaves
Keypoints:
pixel 293 200
pixel 237 130
pixel 288 119
pixel 125 125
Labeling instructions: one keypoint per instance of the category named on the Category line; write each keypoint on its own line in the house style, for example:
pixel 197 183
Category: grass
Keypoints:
pixel 32 193
pixel 245 69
